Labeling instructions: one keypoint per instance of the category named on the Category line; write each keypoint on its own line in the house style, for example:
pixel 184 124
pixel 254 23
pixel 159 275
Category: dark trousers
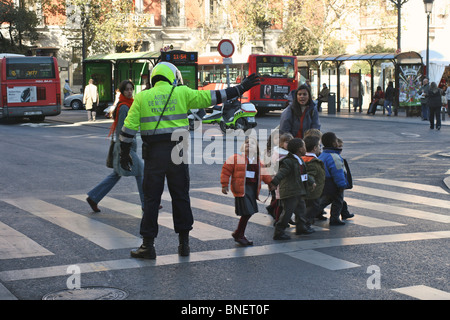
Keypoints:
pixel 158 166
pixel 291 205
pixel 336 200
pixel 435 112
pixel 312 209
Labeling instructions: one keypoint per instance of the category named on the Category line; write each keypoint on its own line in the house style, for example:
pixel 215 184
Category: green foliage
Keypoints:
pixel 21 24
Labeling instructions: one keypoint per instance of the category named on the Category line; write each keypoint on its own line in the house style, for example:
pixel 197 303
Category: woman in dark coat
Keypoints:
pixel 301 114
pixel 434 105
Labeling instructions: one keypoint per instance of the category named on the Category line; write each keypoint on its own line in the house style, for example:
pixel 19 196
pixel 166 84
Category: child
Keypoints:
pixel 335 178
pixel 292 178
pixel 316 172
pixel 246 172
pixel 272 142
pixel 279 153
pixel 345 214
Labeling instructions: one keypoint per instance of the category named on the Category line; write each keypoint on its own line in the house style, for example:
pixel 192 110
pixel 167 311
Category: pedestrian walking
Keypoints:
pixel 161 115
pixel 66 90
pixel 345 213
pixel 447 97
pixel 316 173
pixel 246 172
pixel 434 105
pixel 389 98
pixel 335 178
pixel 301 114
pixel 90 99
pixel 423 91
pixel 279 153
pixel 126 89
pixel 292 178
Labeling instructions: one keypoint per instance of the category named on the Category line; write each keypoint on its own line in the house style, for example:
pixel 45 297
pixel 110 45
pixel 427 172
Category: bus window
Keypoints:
pixel 19 68
pixel 275 67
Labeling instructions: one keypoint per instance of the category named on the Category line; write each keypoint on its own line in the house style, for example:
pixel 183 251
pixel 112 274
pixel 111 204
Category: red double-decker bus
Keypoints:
pixel 278 77
pixel 29 87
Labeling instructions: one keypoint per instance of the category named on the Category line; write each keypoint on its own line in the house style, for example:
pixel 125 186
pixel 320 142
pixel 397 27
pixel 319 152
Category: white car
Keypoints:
pixel 74 101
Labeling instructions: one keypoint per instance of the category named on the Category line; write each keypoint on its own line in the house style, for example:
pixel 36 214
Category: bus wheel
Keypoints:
pixel 37 118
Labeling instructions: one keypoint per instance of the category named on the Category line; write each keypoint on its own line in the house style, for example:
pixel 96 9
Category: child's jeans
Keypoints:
pixel 336 201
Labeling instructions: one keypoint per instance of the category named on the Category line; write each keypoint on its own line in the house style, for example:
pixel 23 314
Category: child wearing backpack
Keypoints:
pixel 335 178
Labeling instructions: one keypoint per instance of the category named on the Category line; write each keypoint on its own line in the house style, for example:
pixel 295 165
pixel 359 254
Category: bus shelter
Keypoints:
pixel 408 73
pixel 108 70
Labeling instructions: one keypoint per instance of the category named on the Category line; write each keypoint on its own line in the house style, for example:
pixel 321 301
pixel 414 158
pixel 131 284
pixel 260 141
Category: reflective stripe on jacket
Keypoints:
pixel 148 105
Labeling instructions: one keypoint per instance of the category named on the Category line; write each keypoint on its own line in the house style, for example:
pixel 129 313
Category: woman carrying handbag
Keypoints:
pixel 126 89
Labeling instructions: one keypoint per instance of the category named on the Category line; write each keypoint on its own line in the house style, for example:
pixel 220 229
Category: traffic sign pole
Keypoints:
pixel 226 50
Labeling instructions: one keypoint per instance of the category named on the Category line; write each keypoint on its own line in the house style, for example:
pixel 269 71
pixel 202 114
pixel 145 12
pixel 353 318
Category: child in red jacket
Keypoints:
pixel 246 172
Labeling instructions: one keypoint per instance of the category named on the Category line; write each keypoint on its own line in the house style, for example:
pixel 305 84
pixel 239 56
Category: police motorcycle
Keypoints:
pixel 231 115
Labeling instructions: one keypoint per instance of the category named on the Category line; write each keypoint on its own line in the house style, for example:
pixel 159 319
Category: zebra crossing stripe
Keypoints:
pixel 407 212
pixel 423 293
pixel 401 197
pixel 358 220
pixel 97 232
pixel 404 184
pixel 285 247
pixel 14 244
pixel 201 231
pixel 323 260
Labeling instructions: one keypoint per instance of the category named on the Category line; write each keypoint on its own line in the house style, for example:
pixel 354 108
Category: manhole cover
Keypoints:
pixel 87 293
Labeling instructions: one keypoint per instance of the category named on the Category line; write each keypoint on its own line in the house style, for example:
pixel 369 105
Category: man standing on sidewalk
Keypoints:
pixel 90 99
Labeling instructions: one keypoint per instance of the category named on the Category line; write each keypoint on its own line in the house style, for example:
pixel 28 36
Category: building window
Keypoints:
pixel 173 13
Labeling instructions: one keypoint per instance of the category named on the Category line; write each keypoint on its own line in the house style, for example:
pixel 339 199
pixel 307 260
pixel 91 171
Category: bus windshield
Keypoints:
pixel 23 68
pixel 275 67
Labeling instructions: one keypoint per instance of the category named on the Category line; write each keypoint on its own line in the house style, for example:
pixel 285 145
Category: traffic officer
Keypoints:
pixel 158 113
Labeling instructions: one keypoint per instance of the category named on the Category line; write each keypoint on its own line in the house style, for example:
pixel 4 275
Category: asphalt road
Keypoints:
pixel 395 248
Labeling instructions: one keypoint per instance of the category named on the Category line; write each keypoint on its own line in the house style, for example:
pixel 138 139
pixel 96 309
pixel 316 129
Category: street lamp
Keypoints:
pixel 428 8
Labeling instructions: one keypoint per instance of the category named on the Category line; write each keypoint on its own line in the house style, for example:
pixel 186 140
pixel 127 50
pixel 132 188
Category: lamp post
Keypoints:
pixel 428 8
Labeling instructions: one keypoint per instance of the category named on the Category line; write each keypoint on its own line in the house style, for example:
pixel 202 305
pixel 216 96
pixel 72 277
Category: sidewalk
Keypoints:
pixel 379 116
pixel 80 117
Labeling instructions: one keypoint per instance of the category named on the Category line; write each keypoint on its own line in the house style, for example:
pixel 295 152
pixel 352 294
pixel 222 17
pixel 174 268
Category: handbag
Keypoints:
pixel 444 100
pixel 110 156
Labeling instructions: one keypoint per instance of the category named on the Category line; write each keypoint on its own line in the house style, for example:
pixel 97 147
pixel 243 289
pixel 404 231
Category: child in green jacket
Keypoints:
pixel 316 172
pixel 292 179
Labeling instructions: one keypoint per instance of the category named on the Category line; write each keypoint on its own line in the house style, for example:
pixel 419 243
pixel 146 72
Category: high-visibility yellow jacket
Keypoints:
pixel 149 104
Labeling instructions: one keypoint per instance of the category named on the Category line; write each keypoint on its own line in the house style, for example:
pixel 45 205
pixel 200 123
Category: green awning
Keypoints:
pixel 125 56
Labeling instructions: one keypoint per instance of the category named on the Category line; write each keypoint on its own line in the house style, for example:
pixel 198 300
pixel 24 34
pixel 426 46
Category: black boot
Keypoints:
pixel 302 227
pixel 146 250
pixel 183 248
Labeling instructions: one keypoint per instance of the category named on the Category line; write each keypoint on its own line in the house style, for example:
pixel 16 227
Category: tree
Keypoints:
pixel 310 25
pixel 251 19
pixel 106 24
pixel 21 26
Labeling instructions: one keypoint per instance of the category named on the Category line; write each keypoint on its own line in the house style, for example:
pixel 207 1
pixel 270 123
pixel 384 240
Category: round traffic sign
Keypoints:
pixel 226 48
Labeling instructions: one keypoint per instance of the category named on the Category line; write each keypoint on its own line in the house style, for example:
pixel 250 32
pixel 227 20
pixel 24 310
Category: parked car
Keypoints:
pixel 74 101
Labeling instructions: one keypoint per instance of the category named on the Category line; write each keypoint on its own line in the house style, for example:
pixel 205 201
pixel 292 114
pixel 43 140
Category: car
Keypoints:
pixel 74 101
